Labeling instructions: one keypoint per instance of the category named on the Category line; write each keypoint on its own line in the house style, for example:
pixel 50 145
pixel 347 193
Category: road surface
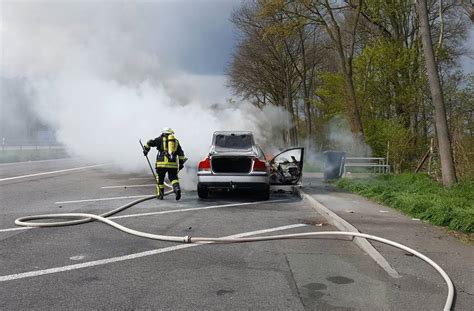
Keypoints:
pixel 94 266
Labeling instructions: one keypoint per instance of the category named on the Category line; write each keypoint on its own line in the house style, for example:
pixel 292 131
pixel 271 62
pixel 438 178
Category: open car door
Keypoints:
pixel 286 168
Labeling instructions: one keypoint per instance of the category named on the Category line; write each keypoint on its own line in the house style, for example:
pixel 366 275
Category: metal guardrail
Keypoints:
pixel 374 165
pixel 28 145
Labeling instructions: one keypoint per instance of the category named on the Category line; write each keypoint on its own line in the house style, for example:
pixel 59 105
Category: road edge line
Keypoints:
pixel 343 225
pixel 100 262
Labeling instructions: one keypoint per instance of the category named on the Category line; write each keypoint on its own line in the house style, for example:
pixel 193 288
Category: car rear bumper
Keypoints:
pixel 250 182
pixel 257 187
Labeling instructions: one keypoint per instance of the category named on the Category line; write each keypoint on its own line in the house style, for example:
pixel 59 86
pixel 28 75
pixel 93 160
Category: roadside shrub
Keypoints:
pixel 380 132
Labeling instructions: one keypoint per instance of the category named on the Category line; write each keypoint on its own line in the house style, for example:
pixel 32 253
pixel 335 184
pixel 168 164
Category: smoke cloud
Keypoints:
pixel 340 138
pixel 104 74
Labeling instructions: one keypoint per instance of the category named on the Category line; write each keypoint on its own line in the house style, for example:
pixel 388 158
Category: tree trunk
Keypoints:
pixel 352 109
pixel 309 123
pixel 293 130
pixel 444 144
pixel 345 64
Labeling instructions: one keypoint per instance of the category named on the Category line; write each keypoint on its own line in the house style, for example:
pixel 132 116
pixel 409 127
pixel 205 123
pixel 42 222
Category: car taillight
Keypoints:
pixel 204 165
pixel 259 165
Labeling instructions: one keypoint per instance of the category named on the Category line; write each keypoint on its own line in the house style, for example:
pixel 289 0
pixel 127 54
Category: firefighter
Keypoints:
pixel 170 159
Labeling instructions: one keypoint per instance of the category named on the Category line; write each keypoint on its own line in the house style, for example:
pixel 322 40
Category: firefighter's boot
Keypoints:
pixel 177 191
pixel 159 193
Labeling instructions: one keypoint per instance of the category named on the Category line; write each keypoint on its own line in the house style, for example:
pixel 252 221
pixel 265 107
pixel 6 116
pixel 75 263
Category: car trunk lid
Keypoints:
pixel 231 164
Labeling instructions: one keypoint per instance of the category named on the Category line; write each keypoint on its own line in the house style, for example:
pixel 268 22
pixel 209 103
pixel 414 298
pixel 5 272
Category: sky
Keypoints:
pixel 467 63
pixel 195 35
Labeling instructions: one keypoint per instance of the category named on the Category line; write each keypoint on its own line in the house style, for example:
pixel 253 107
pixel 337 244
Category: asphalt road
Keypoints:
pixel 94 266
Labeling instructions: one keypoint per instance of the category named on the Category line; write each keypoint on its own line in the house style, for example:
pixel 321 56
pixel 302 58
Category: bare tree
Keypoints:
pixel 469 8
pixel 262 69
pixel 306 47
pixel 339 19
pixel 444 143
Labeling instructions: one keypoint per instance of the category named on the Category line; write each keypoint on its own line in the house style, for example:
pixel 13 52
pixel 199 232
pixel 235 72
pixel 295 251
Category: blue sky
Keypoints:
pixel 467 63
pixel 196 35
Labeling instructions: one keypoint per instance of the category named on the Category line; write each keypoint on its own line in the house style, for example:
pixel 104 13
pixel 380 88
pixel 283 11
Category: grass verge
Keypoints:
pixel 419 196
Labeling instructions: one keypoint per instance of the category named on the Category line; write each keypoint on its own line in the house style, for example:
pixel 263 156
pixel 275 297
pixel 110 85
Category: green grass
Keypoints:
pixel 8 156
pixel 419 196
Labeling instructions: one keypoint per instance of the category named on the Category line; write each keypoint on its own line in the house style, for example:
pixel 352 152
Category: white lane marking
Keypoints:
pixel 29 274
pixel 128 186
pixel 169 212
pixel 15 229
pixel 51 172
pixel 193 209
pixel 101 199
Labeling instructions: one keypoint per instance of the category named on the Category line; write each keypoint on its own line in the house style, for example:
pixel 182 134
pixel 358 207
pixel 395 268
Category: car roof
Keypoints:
pixel 233 132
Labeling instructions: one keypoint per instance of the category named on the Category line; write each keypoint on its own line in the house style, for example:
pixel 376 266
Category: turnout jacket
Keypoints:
pixel 165 159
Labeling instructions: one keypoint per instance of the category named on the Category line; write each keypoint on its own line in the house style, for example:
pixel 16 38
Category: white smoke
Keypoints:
pixel 340 138
pixel 101 75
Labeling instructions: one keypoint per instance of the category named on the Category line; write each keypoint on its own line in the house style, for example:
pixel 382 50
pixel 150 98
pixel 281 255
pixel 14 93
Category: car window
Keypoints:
pixel 291 156
pixel 233 141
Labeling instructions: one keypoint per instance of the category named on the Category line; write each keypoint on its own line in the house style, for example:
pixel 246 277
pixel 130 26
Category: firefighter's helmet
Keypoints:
pixel 167 131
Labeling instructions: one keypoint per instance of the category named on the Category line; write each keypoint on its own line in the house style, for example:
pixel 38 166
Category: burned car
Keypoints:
pixel 236 162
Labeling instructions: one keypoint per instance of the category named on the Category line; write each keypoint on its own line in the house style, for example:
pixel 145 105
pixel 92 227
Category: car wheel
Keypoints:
pixel 203 193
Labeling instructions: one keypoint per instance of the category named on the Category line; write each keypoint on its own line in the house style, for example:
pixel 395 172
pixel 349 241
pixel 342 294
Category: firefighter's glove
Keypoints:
pixel 181 166
pixel 146 149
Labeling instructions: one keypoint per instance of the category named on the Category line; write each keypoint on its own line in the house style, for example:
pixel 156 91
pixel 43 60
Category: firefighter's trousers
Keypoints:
pixel 160 178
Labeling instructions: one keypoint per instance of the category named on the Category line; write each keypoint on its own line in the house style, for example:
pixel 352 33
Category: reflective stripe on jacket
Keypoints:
pixel 162 160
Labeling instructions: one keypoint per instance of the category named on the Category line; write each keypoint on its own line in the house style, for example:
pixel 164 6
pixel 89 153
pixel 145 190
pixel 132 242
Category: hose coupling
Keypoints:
pixel 187 239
